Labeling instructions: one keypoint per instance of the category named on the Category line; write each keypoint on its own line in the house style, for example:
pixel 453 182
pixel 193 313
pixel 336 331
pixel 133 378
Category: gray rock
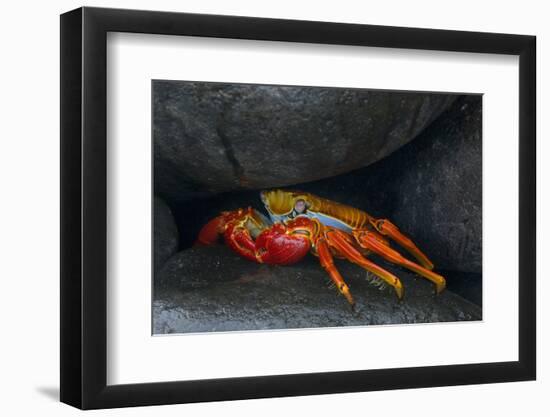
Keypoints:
pixel 257 297
pixel 200 266
pixel 431 188
pixel 214 137
pixel 165 233
pixel 439 195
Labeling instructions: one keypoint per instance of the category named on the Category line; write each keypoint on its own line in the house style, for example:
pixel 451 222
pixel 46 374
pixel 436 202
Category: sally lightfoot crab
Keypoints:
pixel 301 223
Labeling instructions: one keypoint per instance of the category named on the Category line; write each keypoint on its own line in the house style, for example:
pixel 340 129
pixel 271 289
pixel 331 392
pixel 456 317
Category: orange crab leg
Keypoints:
pixel 366 240
pixel 387 228
pixel 327 262
pixel 337 239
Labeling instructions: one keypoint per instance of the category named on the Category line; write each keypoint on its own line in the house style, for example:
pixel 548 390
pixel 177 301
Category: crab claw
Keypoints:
pixel 215 228
pixel 276 245
pixel 211 231
pixel 250 234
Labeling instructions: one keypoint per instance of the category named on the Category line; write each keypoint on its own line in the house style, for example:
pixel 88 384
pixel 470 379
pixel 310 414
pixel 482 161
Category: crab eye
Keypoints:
pixel 300 206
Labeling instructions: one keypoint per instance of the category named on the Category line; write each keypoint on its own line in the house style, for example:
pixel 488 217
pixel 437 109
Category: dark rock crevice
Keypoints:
pixel 165 234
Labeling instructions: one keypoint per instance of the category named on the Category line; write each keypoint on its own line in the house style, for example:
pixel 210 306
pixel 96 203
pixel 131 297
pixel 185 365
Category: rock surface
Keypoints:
pixel 165 233
pixel 235 294
pixel 213 137
pixel 201 266
pixel 431 188
pixel 439 195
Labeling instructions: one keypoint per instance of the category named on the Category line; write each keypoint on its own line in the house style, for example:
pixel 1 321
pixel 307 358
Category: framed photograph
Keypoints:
pixel 257 208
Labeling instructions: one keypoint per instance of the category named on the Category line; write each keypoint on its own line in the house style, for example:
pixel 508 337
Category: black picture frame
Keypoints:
pixel 84 207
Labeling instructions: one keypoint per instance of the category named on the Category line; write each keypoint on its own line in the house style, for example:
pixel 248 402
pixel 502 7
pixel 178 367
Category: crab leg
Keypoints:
pixel 370 242
pixel 327 262
pixel 338 240
pixel 387 228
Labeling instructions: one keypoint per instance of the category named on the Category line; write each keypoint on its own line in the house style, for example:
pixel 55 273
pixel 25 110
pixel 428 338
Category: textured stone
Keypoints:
pixel 235 294
pixel 165 233
pixel 201 266
pixel 431 188
pixel 439 198
pixel 213 137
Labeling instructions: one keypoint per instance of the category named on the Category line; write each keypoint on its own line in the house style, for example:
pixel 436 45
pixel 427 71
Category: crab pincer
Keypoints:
pixel 252 236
